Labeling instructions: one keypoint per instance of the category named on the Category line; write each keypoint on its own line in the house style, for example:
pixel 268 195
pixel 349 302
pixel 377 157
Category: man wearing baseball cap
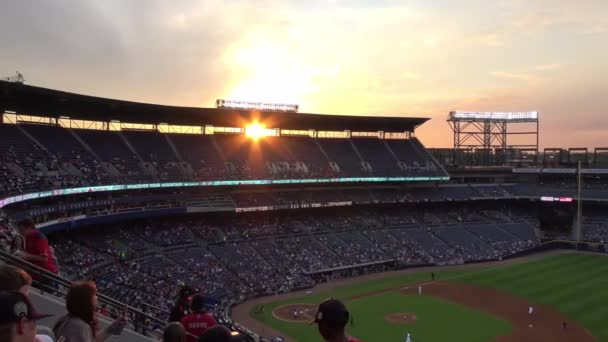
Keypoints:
pixel 331 319
pixel 17 318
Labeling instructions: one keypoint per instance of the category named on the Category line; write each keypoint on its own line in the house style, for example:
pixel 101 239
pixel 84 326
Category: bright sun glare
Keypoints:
pixel 255 130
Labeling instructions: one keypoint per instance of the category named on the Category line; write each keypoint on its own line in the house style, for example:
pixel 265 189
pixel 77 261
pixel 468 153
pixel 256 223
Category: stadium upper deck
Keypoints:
pixel 58 140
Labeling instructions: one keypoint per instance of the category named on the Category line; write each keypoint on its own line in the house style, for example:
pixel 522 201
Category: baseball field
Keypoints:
pixel 474 304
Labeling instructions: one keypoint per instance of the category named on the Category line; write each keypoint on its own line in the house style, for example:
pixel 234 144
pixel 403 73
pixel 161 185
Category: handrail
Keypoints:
pixel 58 285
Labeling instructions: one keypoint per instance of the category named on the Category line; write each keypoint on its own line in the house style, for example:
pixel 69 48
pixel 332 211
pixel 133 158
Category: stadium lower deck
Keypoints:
pixel 248 255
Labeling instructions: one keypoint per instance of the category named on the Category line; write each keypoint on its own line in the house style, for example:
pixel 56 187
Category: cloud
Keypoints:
pixel 409 75
pixel 597 28
pixel 491 39
pixel 545 67
pixel 515 76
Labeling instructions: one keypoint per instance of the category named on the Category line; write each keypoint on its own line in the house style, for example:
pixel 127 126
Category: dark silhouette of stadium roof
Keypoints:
pixel 31 100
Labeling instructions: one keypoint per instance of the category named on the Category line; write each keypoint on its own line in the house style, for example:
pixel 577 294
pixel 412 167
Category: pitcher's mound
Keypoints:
pixel 401 318
pixel 301 313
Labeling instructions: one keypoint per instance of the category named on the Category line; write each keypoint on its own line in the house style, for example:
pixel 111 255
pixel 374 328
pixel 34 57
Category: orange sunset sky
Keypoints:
pixel 405 58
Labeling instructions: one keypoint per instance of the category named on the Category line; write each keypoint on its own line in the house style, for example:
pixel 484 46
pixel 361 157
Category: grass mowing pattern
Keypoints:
pixel 438 320
pixel 576 285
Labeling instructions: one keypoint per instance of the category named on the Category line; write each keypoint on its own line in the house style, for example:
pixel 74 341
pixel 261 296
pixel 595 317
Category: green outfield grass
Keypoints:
pixel 576 285
pixel 573 284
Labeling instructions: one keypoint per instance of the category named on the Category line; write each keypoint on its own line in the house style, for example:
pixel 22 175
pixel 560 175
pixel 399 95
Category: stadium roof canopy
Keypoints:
pixel 31 100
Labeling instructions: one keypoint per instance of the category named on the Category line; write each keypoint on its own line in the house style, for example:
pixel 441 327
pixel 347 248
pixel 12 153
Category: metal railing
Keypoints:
pixel 51 283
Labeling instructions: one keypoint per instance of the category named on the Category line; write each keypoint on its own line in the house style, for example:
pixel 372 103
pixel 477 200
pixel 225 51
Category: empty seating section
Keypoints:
pixel 199 152
pixel 341 152
pixel 501 241
pixel 374 151
pixel 522 230
pixel 356 195
pixel 492 191
pixel 414 159
pixel 153 148
pixel 24 161
pixel 280 161
pixel 369 252
pixel 393 247
pixel 423 153
pixel 110 147
pixel 243 156
pixel 425 244
pixel 465 243
pixel 68 150
pixel 305 149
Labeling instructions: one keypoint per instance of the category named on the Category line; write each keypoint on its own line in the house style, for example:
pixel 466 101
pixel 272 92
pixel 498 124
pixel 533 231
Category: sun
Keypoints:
pixel 255 130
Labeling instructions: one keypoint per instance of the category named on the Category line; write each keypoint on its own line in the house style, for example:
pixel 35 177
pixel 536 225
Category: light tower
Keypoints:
pixel 489 132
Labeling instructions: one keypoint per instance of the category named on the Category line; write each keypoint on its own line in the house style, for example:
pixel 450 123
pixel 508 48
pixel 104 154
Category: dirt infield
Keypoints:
pixel 512 309
pixel 544 324
pixel 297 313
pixel 401 318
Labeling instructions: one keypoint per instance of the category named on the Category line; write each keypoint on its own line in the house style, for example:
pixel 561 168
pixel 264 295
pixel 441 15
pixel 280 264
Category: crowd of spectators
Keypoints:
pixel 240 256
pixel 235 257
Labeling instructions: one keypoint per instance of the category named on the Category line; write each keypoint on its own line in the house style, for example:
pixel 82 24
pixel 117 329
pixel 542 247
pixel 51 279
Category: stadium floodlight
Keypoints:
pixel 494 115
pixel 262 106
pixel 506 116
pixel 489 131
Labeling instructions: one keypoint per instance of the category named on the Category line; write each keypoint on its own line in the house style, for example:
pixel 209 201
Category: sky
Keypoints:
pixel 371 57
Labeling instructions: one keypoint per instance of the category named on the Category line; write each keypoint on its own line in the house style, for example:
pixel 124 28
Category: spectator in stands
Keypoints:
pixel 15 279
pixel 36 249
pixel 81 323
pixel 182 305
pixel 174 332
pixel 219 333
pixel 17 318
pixel 198 321
pixel 331 319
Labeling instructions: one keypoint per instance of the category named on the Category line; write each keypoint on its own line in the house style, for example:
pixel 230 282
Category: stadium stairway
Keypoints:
pixel 145 167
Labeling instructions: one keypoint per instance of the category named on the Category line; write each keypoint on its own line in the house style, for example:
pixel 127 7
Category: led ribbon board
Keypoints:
pixel 120 187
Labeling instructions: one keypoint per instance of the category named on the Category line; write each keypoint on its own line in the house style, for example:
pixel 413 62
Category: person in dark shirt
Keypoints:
pixel 174 332
pixel 182 305
pixel 331 319
pixel 218 333
pixel 18 318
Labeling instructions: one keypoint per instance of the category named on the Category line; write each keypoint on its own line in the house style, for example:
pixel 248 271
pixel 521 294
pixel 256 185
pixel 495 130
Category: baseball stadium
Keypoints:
pixel 303 171
pixel 265 213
